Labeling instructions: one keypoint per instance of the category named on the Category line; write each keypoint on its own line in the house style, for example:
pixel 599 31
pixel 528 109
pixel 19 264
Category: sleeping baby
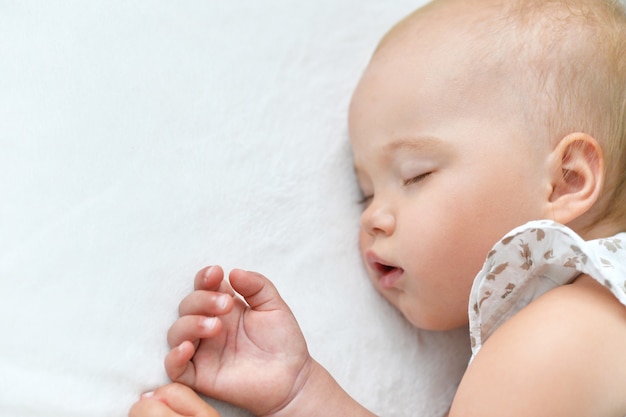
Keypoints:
pixel 489 141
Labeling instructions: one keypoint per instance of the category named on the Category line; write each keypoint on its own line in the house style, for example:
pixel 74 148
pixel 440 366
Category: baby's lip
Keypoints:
pixel 386 272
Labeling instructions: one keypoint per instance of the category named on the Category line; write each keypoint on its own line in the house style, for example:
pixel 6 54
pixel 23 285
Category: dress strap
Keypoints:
pixel 533 259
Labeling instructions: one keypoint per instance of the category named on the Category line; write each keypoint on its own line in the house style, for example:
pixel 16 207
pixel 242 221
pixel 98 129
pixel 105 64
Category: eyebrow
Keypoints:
pixel 422 143
pixel 417 144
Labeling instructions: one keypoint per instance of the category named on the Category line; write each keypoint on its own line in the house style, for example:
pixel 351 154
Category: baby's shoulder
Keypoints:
pixel 583 314
pixel 564 352
pixel 577 333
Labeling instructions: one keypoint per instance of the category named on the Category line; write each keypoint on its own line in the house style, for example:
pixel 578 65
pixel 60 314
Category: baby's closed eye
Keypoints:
pixel 366 199
pixel 417 178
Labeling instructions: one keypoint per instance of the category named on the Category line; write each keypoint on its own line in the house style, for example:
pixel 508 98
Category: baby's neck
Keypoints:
pixel 596 230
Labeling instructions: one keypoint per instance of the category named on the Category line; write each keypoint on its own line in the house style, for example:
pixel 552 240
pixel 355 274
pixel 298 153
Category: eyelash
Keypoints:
pixel 364 201
pixel 414 180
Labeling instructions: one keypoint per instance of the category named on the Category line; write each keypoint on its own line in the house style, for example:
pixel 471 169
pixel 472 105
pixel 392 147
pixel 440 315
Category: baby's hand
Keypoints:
pixel 173 400
pixel 251 354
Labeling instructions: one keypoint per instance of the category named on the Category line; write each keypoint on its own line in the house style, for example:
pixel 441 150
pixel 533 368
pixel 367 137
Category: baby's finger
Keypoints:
pixel 150 407
pixel 178 364
pixel 205 303
pixel 193 328
pixel 257 290
pixel 185 401
pixel 209 278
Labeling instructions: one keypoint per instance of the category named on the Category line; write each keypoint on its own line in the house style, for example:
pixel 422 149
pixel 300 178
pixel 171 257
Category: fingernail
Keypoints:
pixel 207 273
pixel 148 394
pixel 209 323
pixel 222 301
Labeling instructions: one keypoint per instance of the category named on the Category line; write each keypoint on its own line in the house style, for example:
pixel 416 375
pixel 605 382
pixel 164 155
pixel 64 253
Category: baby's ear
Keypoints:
pixel 578 175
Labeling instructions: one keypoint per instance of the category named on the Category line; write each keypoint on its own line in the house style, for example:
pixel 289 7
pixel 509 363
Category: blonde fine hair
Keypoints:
pixel 576 53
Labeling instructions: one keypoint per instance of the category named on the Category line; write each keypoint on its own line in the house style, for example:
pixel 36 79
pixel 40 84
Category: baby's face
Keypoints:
pixel 445 169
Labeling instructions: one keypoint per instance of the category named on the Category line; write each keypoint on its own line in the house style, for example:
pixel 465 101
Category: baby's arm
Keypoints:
pixel 250 353
pixel 562 355
pixel 173 400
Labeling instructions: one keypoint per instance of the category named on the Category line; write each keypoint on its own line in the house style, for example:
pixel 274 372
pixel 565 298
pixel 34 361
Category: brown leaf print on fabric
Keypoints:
pixel 606 263
pixel 548 255
pixel 580 254
pixel 527 255
pixel 508 240
pixel 496 271
pixel 482 300
pixel 612 245
pixel 508 290
pixel 541 234
pixel 572 262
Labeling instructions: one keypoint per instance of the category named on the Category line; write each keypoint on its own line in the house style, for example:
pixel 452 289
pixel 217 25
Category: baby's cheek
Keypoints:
pixel 363 243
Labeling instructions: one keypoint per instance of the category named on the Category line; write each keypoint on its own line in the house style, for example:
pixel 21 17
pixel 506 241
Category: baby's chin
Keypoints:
pixel 434 319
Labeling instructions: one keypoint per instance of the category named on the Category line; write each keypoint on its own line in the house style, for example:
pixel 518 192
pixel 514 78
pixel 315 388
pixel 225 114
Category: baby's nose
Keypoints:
pixel 378 218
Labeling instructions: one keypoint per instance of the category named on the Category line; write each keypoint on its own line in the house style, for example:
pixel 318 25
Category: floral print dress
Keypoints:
pixel 533 259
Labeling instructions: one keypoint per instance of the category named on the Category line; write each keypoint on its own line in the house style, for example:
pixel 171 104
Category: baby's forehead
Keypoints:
pixel 451 33
pixel 473 29
pixel 433 21
pixel 527 39
pixel 497 25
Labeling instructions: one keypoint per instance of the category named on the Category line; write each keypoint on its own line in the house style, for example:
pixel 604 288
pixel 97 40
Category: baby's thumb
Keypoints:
pixel 257 290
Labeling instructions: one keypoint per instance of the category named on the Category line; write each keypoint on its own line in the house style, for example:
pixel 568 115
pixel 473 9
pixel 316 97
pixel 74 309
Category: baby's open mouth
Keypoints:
pixel 383 269
pixel 386 273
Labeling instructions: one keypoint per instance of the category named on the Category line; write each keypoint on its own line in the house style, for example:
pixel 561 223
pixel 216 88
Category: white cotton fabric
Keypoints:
pixel 533 259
